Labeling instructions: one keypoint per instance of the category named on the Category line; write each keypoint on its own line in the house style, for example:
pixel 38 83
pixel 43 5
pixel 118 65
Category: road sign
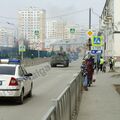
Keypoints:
pixel 89 33
pixel 97 41
pixel 96 51
pixel 72 30
pixel 22 48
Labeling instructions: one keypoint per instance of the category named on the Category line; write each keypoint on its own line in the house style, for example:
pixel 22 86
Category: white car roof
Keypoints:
pixel 11 65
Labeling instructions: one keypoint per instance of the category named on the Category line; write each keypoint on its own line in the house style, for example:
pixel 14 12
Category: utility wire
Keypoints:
pixel 63 15
pixel 95 13
pixel 7 17
pixel 68 14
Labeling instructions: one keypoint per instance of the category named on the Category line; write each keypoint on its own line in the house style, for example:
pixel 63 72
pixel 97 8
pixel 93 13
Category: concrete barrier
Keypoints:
pixel 35 61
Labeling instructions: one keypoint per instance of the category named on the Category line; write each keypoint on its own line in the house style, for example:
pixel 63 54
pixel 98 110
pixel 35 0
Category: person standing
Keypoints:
pixel 97 65
pixel 101 63
pixel 104 67
pixel 84 74
pixel 90 70
pixel 111 63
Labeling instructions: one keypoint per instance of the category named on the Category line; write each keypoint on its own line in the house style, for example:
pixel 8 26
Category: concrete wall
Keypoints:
pixel 116 22
pixel 117 44
pixel 117 13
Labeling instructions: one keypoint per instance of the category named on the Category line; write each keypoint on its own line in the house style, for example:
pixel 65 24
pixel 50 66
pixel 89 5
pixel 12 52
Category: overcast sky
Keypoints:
pixel 9 8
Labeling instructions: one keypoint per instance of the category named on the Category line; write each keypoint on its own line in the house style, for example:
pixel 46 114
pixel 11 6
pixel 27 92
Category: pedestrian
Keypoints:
pixel 104 67
pixel 90 70
pixel 97 65
pixel 111 63
pixel 84 74
pixel 101 63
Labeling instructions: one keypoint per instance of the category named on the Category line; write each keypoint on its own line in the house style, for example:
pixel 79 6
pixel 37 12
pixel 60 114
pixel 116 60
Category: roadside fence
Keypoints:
pixel 66 106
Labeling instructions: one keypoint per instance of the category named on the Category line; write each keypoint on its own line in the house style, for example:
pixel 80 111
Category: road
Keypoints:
pixel 48 84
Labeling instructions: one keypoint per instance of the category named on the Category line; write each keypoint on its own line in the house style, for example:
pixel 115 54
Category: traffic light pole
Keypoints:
pixel 89 18
pixel 89 40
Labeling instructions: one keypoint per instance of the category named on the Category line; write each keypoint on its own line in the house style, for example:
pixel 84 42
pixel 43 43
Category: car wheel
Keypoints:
pixel 30 92
pixel 21 97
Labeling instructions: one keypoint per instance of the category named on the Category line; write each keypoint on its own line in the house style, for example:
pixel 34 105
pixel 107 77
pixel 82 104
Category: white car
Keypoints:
pixel 15 82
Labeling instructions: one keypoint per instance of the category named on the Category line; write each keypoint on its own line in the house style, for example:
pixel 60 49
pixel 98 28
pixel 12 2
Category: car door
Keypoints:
pixel 28 79
pixel 24 80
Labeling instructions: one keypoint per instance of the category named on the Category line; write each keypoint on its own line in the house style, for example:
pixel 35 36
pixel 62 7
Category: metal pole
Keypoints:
pixel 89 40
pixel 38 53
pixel 37 44
pixel 15 33
pixel 21 55
pixel 89 18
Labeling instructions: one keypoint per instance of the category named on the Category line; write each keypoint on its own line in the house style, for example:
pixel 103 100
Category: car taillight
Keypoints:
pixel 13 82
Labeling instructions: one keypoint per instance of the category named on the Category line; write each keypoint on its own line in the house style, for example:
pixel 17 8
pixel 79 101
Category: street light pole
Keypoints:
pixel 16 29
pixel 36 34
pixel 15 32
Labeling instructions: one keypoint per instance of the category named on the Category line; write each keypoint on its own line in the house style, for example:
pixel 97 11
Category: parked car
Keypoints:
pixel 15 81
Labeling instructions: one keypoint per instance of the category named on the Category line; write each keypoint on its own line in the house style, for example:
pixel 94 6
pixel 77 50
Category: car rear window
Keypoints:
pixel 7 70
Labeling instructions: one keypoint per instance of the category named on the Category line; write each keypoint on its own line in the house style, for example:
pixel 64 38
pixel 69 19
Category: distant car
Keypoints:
pixel 15 82
pixel 59 59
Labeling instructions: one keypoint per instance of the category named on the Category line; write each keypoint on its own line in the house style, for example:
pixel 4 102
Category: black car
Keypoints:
pixel 59 59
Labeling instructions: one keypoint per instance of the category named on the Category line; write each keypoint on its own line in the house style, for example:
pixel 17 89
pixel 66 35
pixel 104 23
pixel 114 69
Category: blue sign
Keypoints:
pixel 97 41
pixel 96 51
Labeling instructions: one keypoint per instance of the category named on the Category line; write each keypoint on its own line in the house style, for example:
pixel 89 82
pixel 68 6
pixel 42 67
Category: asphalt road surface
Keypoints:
pixel 48 84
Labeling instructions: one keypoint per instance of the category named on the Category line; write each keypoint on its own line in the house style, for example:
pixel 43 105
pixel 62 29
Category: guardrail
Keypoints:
pixel 66 106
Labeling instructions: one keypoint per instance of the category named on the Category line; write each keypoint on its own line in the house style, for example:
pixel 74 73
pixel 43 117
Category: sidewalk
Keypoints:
pixel 101 101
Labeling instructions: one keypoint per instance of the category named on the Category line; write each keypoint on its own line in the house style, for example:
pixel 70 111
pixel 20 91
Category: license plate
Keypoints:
pixel 0 82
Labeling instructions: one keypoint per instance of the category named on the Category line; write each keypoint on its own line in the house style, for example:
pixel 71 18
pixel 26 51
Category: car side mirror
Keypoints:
pixel 29 74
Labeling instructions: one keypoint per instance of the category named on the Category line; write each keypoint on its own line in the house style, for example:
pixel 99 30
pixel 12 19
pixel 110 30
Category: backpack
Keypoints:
pixel 111 61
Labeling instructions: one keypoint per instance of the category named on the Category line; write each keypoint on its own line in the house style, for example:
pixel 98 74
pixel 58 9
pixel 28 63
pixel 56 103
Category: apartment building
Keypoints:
pixel 72 31
pixel 58 29
pixel 55 29
pixel 6 37
pixel 3 37
pixel 31 27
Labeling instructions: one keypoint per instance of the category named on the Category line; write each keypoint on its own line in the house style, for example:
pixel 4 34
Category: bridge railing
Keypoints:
pixel 66 106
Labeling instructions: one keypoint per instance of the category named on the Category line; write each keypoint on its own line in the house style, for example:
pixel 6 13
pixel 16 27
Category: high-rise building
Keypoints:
pixel 31 27
pixel 11 38
pixel 72 31
pixel 60 30
pixel 55 29
pixel 6 37
pixel 3 37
